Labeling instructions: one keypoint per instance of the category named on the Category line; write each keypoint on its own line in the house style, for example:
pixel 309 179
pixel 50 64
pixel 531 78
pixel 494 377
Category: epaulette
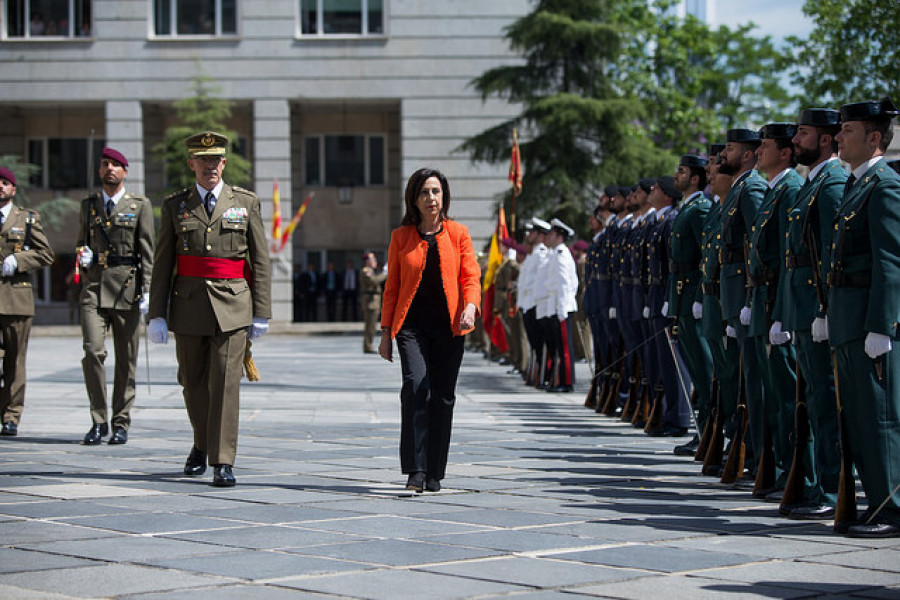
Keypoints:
pixel 134 196
pixel 180 192
pixel 242 191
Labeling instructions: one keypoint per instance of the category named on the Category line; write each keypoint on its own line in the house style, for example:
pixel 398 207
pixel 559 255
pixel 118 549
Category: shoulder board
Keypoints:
pixel 31 217
pixel 91 198
pixel 240 190
pixel 181 192
pixel 134 197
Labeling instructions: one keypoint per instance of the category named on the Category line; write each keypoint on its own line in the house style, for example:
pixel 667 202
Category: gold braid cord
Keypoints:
pixel 250 370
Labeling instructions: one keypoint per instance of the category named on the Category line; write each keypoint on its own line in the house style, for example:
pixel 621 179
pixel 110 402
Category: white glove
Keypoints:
pixel 697 310
pixel 665 309
pixel 258 329
pixel 730 332
pixel 745 316
pixel 646 312
pixel 10 264
pixel 877 344
pixel 612 312
pixel 144 305
pixel 778 337
pixel 820 329
pixel 158 331
pixel 86 257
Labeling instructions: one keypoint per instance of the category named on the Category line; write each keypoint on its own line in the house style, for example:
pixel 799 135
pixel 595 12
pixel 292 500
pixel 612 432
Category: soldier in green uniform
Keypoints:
pixel 863 311
pixel 212 287
pixel 738 213
pixel 115 253
pixel 774 355
pixel 371 280
pixel 23 248
pixel 806 246
pixel 685 252
pixel 507 272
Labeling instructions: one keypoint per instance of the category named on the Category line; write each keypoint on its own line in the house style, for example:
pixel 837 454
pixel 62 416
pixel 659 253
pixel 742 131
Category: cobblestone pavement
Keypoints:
pixel 543 500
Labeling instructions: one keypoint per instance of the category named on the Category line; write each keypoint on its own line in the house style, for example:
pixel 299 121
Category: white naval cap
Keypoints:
pixel 562 227
pixel 540 225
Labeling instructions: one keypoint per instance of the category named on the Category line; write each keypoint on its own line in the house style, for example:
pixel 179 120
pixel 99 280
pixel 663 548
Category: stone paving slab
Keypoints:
pixel 543 500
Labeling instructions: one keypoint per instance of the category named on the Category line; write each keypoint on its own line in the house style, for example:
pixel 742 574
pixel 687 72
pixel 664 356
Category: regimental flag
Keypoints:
pixel 295 221
pixel 492 325
pixel 515 166
pixel 276 218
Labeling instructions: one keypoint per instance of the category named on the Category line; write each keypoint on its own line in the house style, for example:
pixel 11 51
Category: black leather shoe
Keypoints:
pixel 120 436
pixel 223 476
pixel 416 482
pixel 761 494
pixel 785 510
pixel 714 470
pixel 775 496
pixel 874 530
pixel 9 428
pixel 812 512
pixel 96 434
pixel 560 389
pixel 196 462
pixel 432 484
pixel 689 449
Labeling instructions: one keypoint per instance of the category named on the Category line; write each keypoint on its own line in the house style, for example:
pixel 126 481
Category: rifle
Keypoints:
pixel 845 511
pixel 76 277
pixel 734 466
pixel 712 420
pixel 793 489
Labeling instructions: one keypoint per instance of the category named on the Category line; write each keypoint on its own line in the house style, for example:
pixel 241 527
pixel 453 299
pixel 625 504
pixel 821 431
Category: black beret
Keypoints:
pixel 667 185
pixel 778 131
pixel 692 160
pixel 819 117
pixel 742 136
pixel 646 184
pixel 870 110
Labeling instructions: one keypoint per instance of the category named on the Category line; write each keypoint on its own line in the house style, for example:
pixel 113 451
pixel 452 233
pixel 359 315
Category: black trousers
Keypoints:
pixel 429 361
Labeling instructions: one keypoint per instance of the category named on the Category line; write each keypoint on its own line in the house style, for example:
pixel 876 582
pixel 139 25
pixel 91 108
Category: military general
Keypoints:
pixel 211 287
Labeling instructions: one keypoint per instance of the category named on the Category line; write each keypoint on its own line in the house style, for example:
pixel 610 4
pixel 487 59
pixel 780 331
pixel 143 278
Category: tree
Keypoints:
pixel 198 112
pixel 854 49
pixel 54 211
pixel 697 82
pixel 581 132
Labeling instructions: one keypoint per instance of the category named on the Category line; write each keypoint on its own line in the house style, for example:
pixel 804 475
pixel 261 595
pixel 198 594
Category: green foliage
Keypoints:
pixel 53 212
pixel 199 112
pixel 855 50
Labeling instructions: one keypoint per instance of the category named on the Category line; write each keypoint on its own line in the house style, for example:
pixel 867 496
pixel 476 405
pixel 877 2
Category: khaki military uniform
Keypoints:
pixel 502 283
pixel 371 283
pixel 112 287
pixel 23 235
pixel 198 286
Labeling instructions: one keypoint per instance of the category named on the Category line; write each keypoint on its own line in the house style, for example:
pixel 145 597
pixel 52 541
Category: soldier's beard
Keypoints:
pixel 726 168
pixel 806 156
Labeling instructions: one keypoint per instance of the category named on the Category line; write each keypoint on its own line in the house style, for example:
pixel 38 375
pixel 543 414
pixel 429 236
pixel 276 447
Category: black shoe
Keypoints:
pixel 812 512
pixel 874 530
pixel 844 526
pixel 432 484
pixel 761 494
pixel 785 510
pixel 714 470
pixel 9 428
pixel 775 496
pixel 223 476
pixel 196 462
pixel 670 431
pixel 120 436
pixel 96 434
pixel 689 449
pixel 416 482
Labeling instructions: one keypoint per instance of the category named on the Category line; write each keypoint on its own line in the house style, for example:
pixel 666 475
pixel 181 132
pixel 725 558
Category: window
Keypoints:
pixel 63 162
pixel 39 19
pixel 344 160
pixel 172 18
pixel 341 17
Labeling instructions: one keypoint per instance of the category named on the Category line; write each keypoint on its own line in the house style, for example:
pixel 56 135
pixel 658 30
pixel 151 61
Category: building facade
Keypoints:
pixel 340 98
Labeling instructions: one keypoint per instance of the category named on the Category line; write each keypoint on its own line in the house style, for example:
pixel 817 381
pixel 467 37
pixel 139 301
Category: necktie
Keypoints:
pixel 210 203
pixel 850 181
pixel 2 218
pixel 110 206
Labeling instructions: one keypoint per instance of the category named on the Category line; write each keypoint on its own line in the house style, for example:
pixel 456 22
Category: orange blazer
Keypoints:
pixel 406 263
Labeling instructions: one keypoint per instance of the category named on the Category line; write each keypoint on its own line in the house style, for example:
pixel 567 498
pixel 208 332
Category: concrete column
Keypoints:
pixel 125 133
pixel 272 162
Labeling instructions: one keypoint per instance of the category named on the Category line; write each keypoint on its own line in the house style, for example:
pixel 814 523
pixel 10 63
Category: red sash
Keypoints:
pixel 209 267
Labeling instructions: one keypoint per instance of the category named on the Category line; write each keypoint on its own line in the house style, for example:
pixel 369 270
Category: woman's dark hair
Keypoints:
pixel 414 186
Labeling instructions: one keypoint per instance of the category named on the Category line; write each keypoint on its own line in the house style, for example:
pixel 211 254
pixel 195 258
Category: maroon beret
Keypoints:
pixel 508 242
pixel 580 245
pixel 7 175
pixel 115 155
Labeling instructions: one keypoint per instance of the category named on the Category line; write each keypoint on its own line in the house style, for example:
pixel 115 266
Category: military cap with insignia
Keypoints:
pixel 692 160
pixel 667 185
pixel 528 225
pixel 624 190
pixel 778 131
pixel 561 228
pixel 742 136
pixel 715 149
pixel 113 154
pixel 207 143
pixel 541 225
pixel 611 190
pixel 819 117
pixel 647 184
pixel 8 175
pixel 870 110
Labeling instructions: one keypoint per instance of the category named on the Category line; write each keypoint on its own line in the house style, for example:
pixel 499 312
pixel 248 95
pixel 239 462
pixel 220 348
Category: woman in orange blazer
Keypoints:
pixel 431 298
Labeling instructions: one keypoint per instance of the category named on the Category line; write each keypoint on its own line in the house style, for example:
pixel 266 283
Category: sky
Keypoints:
pixel 777 18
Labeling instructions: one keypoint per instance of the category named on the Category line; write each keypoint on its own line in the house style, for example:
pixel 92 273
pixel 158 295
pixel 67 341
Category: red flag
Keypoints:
pixel 492 326
pixel 276 218
pixel 298 216
pixel 515 167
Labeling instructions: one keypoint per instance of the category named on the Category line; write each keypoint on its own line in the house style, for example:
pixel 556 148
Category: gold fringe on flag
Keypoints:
pixel 250 370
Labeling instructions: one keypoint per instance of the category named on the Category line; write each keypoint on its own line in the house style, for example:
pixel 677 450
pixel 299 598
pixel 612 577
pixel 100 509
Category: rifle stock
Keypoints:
pixel 707 433
pixel 734 466
pixel 765 473
pixel 793 489
pixel 845 511
pixel 654 421
pixel 716 449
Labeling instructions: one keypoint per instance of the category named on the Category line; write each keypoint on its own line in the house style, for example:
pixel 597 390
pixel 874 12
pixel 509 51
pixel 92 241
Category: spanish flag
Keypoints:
pixel 276 218
pixel 492 325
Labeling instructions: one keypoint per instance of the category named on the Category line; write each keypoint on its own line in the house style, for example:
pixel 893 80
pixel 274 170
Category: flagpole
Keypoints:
pixel 515 176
